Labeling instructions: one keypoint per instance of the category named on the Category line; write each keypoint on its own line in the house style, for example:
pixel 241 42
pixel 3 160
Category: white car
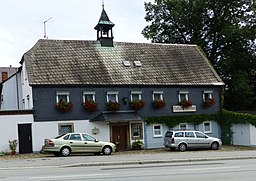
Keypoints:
pixel 185 139
pixel 66 144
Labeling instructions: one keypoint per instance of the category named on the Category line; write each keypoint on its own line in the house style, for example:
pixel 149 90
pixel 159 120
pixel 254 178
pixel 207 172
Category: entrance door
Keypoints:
pixel 119 134
pixel 25 138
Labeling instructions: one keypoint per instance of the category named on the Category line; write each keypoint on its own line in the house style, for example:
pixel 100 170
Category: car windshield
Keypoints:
pixel 88 137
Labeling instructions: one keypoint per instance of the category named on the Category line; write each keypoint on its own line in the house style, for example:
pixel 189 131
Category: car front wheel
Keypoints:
pixel 107 150
pixel 215 146
pixel 65 151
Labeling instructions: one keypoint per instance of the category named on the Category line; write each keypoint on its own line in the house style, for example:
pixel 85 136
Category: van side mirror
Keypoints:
pixel 96 140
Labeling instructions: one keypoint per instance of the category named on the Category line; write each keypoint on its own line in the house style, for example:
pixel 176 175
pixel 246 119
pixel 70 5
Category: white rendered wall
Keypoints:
pixel 16 92
pixel 9 94
pixel 43 130
pixel 26 98
pixel 9 129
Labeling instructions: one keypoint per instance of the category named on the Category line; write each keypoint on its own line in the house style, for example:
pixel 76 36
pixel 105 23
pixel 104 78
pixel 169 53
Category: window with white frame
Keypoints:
pixel 136 95
pixel 158 95
pixel 137 131
pixel 207 95
pixel 88 96
pixel 64 96
pixel 183 95
pixel 157 130
pixel 112 96
pixel 207 127
pixel 183 126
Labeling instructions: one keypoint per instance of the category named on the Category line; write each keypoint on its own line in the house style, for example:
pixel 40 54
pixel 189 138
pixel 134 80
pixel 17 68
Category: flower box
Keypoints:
pixel 113 106
pixel 158 104
pixel 90 106
pixel 137 104
pixel 64 106
pixel 185 103
pixel 209 102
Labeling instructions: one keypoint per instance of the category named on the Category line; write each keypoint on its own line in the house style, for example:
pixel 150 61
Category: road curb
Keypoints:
pixel 140 162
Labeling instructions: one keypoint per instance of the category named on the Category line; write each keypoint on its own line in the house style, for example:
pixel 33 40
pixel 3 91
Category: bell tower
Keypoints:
pixel 104 29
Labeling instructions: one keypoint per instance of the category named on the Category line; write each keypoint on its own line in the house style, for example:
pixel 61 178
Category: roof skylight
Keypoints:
pixel 126 63
pixel 137 63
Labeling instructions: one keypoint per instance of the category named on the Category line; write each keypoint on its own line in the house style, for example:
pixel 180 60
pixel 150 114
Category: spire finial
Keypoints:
pixel 102 4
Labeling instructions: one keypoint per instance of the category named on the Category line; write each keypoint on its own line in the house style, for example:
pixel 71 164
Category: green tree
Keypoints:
pixel 226 31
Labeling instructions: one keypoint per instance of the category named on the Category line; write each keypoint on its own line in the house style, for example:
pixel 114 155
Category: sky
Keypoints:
pixel 21 23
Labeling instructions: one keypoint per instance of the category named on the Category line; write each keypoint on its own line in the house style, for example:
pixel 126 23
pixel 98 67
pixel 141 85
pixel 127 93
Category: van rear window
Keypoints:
pixel 168 134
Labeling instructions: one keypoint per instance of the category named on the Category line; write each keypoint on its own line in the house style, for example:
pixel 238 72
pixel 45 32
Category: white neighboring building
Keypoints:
pixel 7 72
pixel 16 93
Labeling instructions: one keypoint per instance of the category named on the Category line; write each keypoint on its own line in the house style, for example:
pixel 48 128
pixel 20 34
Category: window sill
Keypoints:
pixel 160 136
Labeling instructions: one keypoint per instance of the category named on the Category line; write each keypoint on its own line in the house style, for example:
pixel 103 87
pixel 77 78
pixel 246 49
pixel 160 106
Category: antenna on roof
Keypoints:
pixel 45 36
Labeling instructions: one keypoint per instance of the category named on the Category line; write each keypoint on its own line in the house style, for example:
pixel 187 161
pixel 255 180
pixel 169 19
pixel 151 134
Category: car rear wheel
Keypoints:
pixel 215 146
pixel 65 151
pixel 107 150
pixel 182 147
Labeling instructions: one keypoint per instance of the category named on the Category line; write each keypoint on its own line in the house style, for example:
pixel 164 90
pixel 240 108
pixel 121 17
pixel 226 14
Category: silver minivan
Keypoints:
pixel 186 139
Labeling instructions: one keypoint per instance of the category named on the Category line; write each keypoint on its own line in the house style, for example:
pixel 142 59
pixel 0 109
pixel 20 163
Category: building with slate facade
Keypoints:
pixel 109 88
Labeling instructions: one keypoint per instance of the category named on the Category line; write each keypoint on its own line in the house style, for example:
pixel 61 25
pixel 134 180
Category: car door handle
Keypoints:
pixel 71 142
pixel 85 142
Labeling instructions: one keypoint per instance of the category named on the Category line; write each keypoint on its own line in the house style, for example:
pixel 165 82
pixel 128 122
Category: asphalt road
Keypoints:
pixel 124 158
pixel 228 170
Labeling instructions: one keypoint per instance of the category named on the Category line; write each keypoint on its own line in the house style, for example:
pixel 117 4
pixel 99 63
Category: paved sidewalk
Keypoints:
pixel 127 158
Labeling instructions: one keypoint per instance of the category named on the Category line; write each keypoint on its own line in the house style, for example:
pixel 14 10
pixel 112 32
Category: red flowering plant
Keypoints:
pixel 137 104
pixel 158 104
pixel 185 103
pixel 113 106
pixel 209 102
pixel 64 106
pixel 13 145
pixel 90 106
